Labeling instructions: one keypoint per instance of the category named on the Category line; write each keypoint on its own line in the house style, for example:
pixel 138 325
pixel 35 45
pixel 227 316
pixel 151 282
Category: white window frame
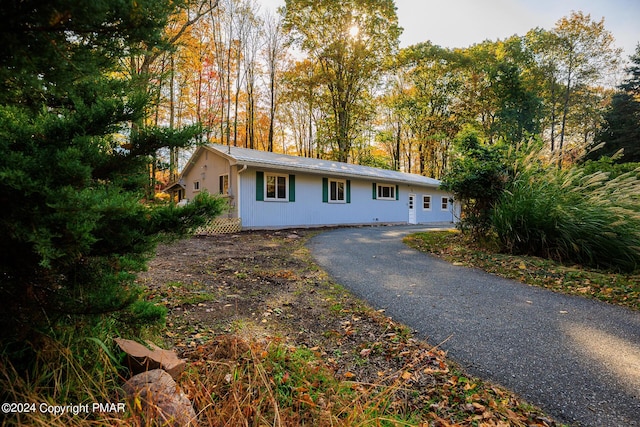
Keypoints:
pixel 444 203
pixel 344 191
pixel 285 197
pixel 196 185
pixel 392 192
pixel 424 201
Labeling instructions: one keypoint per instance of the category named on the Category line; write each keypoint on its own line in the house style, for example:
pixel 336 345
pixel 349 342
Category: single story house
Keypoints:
pixel 271 190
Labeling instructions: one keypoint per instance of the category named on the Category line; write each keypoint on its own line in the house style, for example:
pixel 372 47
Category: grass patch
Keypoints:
pixel 458 248
pixel 178 293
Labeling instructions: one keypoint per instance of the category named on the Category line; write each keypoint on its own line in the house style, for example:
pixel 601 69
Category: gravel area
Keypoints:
pixel 578 359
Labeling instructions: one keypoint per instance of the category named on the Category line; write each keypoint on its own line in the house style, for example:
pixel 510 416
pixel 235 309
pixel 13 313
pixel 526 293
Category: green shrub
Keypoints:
pixel 476 179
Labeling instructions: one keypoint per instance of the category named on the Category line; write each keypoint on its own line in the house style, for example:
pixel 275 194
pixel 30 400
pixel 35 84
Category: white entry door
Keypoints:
pixel 412 209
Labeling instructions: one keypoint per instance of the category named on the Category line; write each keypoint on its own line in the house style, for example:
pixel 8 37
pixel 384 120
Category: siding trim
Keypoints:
pixel 292 188
pixel 325 190
pixel 260 186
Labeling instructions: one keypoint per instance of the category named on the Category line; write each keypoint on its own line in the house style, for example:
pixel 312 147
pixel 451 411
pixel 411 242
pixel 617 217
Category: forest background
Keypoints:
pixel 318 80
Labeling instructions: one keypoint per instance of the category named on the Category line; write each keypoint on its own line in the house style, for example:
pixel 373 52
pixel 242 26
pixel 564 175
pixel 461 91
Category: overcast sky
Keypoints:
pixel 462 23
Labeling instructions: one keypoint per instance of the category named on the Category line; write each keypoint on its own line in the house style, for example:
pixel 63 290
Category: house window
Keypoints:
pixel 224 184
pixel 426 203
pixel 273 187
pixel 276 187
pixel 337 191
pixel 445 203
pixel 196 185
pixel 386 192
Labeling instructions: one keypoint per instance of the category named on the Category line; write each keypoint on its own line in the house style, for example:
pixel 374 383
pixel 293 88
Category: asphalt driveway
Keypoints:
pixel 577 359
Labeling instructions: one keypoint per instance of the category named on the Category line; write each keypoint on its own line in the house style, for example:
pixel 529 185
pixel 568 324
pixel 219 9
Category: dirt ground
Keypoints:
pixel 263 285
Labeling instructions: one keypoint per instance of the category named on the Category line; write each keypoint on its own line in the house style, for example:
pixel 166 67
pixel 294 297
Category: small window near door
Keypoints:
pixel 445 203
pixel 426 203
pixel 196 185
pixel 224 184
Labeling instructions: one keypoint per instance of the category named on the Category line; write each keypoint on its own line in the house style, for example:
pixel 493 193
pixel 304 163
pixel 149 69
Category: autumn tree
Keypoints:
pixel 152 64
pixel 392 124
pixel 518 105
pixel 351 41
pixel 300 106
pixel 576 54
pixel 428 105
pixel 274 54
pixel 252 45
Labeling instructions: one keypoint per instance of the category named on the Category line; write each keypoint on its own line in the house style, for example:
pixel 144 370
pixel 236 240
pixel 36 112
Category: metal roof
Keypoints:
pixel 283 162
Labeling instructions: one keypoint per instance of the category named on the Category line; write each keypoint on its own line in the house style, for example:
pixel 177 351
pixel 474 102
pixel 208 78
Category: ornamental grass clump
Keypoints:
pixel 571 216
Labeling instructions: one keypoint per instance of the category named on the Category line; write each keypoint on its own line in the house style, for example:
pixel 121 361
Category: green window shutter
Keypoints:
pixel 348 191
pixel 375 192
pixel 397 195
pixel 325 190
pixel 260 186
pixel 292 188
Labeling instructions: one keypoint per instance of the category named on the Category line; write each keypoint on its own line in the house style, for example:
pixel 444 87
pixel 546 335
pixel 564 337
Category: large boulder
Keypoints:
pixel 142 358
pixel 159 400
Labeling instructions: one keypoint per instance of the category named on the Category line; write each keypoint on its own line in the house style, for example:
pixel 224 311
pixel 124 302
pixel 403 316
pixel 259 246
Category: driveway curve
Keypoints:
pixel 577 359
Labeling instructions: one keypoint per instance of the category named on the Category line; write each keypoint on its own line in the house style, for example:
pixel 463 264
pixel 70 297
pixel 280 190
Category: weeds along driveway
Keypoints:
pixel 578 359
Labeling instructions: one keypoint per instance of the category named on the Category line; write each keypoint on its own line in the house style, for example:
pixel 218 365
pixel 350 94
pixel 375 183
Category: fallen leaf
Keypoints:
pixel 479 407
pixel 365 352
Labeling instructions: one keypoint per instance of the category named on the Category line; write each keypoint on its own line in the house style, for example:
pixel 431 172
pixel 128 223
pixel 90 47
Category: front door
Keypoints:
pixel 412 209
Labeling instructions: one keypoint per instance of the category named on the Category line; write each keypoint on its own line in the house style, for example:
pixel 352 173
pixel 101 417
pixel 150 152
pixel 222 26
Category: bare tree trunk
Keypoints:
pixel 173 155
pixel 565 113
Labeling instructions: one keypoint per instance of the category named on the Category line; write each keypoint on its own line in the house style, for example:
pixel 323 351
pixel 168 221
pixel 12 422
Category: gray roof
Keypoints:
pixel 283 162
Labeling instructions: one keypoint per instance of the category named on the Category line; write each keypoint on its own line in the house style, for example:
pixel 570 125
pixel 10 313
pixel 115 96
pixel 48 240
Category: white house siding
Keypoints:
pixel 308 209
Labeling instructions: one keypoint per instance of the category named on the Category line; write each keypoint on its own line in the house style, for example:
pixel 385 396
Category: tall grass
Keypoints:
pixel 61 375
pixel 236 382
pixel 571 216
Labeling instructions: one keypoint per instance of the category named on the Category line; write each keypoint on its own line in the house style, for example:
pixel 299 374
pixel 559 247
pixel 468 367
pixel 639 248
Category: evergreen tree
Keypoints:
pixel 75 227
pixel 621 126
